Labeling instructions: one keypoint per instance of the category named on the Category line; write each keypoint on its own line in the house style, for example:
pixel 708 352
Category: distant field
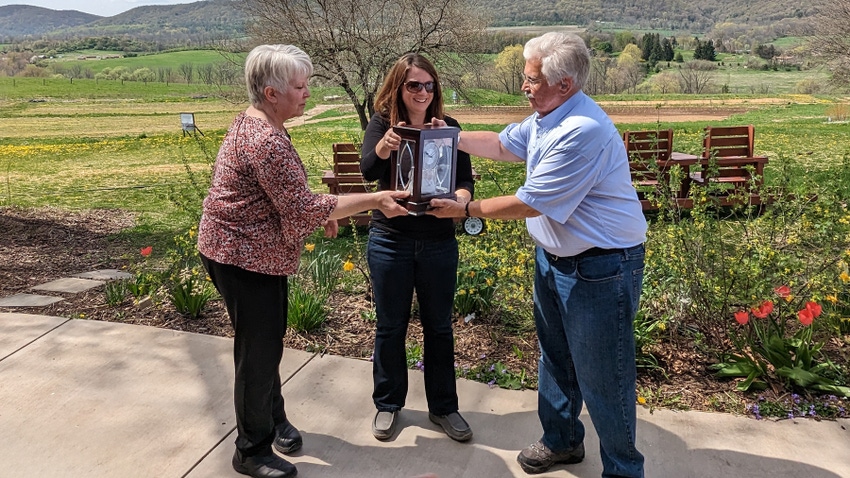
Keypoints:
pixel 171 60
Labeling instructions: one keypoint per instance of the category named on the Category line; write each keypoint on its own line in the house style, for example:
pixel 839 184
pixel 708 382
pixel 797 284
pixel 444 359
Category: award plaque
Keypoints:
pixel 425 165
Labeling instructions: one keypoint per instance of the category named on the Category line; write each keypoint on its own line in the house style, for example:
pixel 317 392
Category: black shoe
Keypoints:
pixel 454 425
pixel 537 457
pixel 263 466
pixel 287 438
pixel 383 425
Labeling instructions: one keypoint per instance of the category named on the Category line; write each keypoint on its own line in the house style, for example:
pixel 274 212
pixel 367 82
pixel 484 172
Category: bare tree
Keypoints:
pixel 831 41
pixel 695 76
pixel 353 43
pixel 188 71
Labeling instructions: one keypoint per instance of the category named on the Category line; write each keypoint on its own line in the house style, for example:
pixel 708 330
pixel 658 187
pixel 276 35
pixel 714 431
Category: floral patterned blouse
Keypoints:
pixel 259 208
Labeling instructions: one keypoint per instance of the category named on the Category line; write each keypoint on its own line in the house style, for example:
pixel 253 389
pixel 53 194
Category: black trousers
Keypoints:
pixel 256 304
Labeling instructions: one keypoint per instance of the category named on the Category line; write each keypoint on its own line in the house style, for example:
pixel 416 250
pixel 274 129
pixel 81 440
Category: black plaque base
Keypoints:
pixel 419 208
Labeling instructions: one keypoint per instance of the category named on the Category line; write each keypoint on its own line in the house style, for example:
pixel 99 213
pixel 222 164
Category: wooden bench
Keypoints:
pixel 345 178
pixel 728 162
pixel 651 159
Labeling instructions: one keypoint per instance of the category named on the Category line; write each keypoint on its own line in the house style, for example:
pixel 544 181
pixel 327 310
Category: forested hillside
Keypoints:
pixel 660 14
pixel 21 20
pixel 197 22
pixel 202 21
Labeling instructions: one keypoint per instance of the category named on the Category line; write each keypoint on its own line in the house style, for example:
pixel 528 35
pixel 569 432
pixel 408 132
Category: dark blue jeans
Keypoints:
pixel 584 310
pixel 398 266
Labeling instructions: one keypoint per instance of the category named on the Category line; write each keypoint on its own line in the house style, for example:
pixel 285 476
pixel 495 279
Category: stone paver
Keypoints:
pixel 104 274
pixel 70 285
pixel 28 300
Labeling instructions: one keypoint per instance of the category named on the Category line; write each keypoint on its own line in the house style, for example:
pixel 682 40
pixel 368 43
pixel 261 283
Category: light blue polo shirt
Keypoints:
pixel 577 176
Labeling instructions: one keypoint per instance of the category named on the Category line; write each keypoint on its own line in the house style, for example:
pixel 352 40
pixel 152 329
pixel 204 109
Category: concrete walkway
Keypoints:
pixel 88 399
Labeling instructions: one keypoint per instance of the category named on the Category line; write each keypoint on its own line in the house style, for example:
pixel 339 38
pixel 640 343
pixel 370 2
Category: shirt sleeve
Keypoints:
pixel 373 167
pixel 282 176
pixel 515 138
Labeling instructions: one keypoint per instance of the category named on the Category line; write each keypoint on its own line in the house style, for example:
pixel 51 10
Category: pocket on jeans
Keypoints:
pixel 600 268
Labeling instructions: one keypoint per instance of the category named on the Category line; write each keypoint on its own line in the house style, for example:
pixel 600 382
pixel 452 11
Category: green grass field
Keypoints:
pixel 171 60
pixel 104 144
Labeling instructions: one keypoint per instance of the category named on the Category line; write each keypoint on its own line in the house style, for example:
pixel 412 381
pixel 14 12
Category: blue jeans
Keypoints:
pixel 398 265
pixel 584 310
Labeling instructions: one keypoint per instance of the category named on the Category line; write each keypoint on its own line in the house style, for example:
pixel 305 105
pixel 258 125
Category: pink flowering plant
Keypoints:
pixel 773 341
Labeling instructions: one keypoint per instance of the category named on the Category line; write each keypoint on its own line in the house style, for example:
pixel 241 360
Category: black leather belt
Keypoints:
pixel 592 252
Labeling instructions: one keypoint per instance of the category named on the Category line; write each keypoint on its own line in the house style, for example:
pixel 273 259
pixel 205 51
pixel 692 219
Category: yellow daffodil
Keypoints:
pixel 348 266
pixel 309 247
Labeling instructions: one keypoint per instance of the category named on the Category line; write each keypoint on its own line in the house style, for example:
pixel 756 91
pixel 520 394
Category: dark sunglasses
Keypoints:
pixel 416 86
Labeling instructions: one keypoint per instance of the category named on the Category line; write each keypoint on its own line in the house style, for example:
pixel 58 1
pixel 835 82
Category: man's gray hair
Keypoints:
pixel 561 55
pixel 275 66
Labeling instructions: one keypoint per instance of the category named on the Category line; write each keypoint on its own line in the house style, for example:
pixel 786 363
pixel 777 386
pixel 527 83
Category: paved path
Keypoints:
pixel 88 399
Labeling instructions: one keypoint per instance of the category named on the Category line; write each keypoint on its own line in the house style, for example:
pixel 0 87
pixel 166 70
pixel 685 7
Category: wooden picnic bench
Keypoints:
pixel 651 160
pixel 727 163
pixel 345 178
pixel 728 160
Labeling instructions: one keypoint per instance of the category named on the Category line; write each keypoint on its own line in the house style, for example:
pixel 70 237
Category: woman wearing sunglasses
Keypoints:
pixel 412 253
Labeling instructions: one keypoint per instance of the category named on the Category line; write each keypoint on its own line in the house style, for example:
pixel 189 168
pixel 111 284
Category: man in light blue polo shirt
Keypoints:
pixel 584 215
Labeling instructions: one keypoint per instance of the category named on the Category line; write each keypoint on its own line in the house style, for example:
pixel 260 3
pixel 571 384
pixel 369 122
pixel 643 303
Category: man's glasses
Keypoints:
pixel 532 81
pixel 416 86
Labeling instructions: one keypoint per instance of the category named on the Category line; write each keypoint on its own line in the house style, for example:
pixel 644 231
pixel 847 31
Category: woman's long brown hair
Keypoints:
pixel 388 101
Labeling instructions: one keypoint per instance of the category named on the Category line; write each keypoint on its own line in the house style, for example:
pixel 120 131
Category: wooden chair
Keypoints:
pixel 345 178
pixel 650 155
pixel 728 159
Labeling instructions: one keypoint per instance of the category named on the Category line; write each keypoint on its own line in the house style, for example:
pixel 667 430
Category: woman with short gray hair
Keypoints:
pixel 255 218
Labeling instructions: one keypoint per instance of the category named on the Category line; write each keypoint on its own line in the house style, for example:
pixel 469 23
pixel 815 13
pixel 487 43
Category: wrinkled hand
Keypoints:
pixel 447 208
pixel 331 228
pixel 388 204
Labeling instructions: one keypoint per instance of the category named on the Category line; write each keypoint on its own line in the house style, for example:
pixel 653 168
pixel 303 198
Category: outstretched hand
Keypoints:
pixel 388 204
pixel 446 208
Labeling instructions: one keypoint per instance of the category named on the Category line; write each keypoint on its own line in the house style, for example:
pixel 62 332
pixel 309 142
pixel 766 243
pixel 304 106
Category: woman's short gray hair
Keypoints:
pixel 276 66
pixel 561 55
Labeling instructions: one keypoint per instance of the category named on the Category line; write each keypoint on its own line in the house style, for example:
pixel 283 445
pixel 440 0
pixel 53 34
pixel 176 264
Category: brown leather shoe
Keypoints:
pixel 537 457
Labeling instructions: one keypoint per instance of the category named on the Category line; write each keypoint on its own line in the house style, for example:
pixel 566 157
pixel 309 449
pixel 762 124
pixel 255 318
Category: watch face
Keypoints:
pixel 473 225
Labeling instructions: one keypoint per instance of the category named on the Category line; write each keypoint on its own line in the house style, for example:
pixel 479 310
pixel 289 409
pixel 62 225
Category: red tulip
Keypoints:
pixel 814 308
pixel 805 317
pixel 146 251
pixel 783 291
pixel 763 310
pixel 742 317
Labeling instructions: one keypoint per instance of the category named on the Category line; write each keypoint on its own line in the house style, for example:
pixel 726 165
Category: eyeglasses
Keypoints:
pixel 416 86
pixel 533 82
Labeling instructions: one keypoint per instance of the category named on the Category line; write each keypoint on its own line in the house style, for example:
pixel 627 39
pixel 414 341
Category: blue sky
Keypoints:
pixel 105 8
